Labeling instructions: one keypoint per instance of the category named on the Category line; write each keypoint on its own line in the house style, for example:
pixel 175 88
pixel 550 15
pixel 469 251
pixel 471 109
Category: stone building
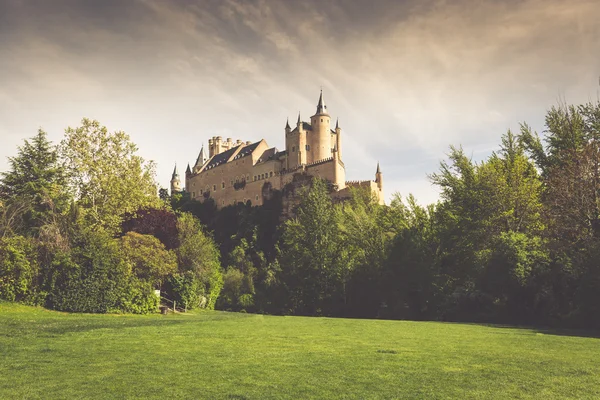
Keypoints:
pixel 234 172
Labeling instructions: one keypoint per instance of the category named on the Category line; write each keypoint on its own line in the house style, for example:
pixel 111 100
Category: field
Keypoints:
pixel 214 355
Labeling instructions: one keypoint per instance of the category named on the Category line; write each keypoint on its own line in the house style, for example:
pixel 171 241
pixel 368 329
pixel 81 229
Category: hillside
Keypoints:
pixel 46 354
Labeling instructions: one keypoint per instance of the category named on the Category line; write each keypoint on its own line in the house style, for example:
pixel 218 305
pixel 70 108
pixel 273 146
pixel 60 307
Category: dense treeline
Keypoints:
pixel 514 238
pixel 82 229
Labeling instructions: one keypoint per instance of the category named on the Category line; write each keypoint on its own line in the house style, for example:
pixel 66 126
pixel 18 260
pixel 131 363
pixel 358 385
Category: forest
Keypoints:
pixel 513 239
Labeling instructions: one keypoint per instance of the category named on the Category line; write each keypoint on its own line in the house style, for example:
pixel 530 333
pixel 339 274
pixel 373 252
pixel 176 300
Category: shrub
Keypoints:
pixel 19 270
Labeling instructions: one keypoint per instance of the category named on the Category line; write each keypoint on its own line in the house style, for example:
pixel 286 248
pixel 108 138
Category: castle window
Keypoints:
pixel 214 188
pixel 256 197
pixel 293 149
pixel 321 119
pixel 271 173
pixel 248 177
pixel 307 147
pixel 193 194
pixel 201 191
pixel 222 185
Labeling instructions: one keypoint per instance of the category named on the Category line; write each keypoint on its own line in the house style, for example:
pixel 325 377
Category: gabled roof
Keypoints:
pixel 247 150
pixel 221 158
pixel 268 154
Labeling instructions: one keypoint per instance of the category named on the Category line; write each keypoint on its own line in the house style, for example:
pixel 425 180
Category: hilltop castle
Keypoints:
pixel 244 171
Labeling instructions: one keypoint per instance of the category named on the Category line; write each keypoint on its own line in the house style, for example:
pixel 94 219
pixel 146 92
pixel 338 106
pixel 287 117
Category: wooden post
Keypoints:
pixel 174 306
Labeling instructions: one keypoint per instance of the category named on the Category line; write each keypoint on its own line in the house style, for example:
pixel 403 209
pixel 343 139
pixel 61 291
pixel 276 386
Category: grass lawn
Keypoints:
pixel 215 355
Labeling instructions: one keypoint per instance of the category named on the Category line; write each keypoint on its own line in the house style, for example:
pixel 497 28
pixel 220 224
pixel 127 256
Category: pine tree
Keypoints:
pixel 35 184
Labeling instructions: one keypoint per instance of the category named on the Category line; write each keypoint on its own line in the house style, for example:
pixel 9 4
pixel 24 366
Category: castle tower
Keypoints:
pixel 175 181
pixel 338 139
pixel 379 178
pixel 320 137
pixel 288 129
pixel 295 144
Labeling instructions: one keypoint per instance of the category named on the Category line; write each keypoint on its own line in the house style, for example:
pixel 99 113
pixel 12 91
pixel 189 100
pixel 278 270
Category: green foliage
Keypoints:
pixel 198 254
pixel 186 289
pixel 148 258
pixel 96 276
pixel 107 175
pixel 33 191
pixel 313 271
pixel 19 271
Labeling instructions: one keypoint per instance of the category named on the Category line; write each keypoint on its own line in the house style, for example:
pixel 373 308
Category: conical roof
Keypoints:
pixel 321 107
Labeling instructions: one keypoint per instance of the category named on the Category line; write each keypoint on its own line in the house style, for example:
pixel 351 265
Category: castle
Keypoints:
pixel 239 171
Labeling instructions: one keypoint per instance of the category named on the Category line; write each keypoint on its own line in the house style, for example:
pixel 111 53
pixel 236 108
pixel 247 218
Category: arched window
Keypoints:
pixel 271 173
pixel 214 188
pixel 222 185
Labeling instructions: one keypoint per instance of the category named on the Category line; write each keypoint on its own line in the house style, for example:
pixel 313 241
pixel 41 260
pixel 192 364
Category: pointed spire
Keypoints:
pixel 287 124
pixel 337 124
pixel 298 118
pixel 188 170
pixel 175 173
pixel 201 158
pixel 321 107
pixel 378 169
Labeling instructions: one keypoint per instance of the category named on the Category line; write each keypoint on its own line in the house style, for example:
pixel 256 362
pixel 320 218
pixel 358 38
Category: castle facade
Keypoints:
pixel 234 172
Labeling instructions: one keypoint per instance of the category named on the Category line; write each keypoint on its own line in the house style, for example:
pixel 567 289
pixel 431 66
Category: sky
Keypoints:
pixel 406 79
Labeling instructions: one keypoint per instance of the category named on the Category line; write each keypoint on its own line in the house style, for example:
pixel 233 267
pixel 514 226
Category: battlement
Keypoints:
pixel 323 161
pixel 359 183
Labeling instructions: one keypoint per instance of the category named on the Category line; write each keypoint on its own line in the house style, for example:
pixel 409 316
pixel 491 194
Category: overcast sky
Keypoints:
pixel 406 78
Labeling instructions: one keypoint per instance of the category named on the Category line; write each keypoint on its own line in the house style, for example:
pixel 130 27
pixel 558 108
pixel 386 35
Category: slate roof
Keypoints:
pixel 221 158
pixel 268 154
pixel 247 150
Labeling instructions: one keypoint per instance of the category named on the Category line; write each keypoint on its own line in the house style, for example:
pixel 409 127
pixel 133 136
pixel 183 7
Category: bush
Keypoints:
pixel 97 278
pixel 186 289
pixel 19 271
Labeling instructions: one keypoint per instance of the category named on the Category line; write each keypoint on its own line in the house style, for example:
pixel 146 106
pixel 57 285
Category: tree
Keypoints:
pixel 311 250
pixel 106 174
pixel 149 259
pixel 199 255
pixel 160 223
pixel 33 191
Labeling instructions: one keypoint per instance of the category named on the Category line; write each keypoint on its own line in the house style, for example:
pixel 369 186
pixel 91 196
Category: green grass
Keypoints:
pixel 214 355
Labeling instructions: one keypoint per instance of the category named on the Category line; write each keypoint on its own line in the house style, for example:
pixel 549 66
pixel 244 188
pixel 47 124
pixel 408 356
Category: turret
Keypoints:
pixel 338 139
pixel 379 178
pixel 320 137
pixel 287 127
pixel 175 181
pixel 188 171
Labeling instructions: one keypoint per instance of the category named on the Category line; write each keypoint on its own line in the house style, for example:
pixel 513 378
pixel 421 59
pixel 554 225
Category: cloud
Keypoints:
pixel 406 78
